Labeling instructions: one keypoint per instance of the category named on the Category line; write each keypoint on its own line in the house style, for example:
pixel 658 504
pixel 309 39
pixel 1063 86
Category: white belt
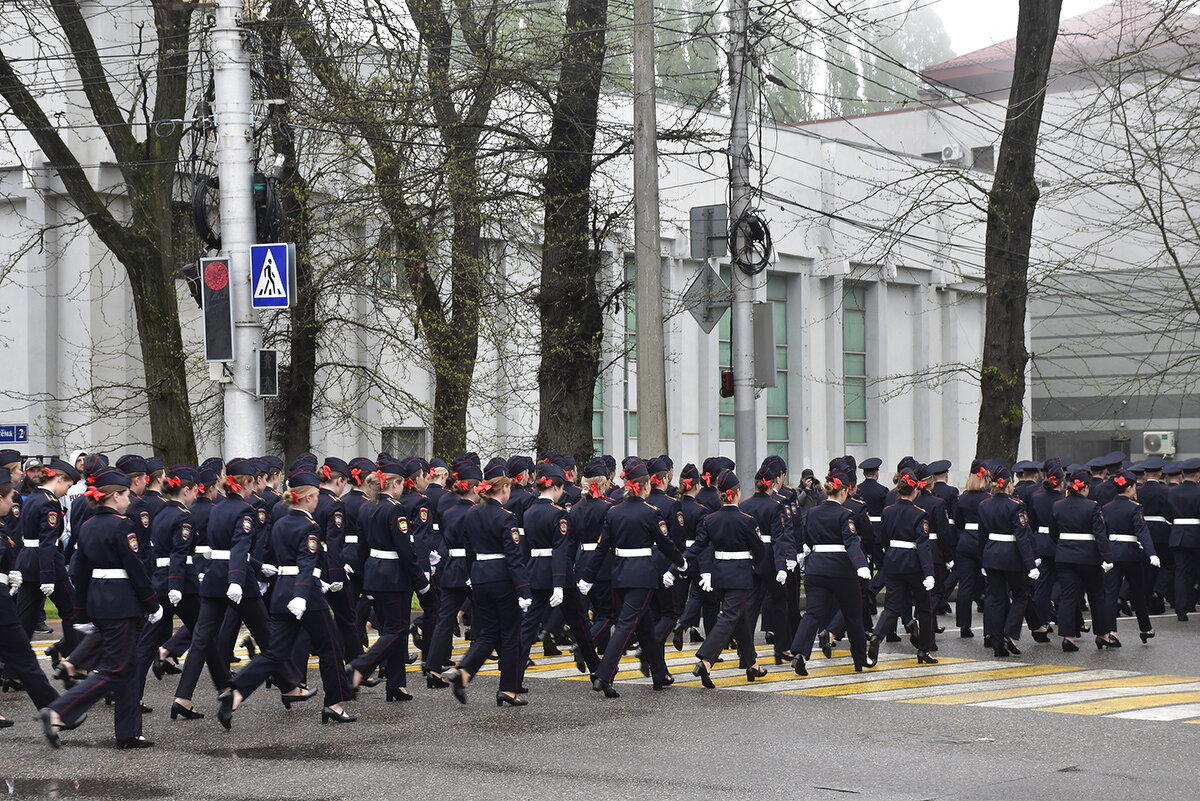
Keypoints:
pixel 3 578
pixel 165 561
pixel 1122 538
pixel 488 557
pixel 765 538
pixel 521 531
pixel 951 521
pixel 378 554
pixel 829 549
pixel 1155 519
pixel 1043 529
pixel 689 543
pixel 204 550
pixel 1074 536
pixel 970 527
pixel 904 545
pixel 436 527
pixel 218 556
pixel 731 556
pixel 31 543
pixel 933 536
pixel 294 570
pixel 109 573
pixel 540 553
pixel 1187 521
pixel 351 539
pixel 1002 537
pixel 589 546
pixel 632 553
pixel 875 519
pixel 458 553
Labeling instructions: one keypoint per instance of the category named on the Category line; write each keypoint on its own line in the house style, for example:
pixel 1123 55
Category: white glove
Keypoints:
pixel 804 552
pixel 262 587
pixel 556 597
pixel 200 578
pixel 524 603
pixel 583 587
pixel 950 565
pixel 15 580
pixel 154 616
pixel 297 606
pixel 434 558
pixel 983 571
pixel 1037 562
pixel 706 582
pixel 668 579
pixel 336 586
pixel 85 628
pixel 781 577
pixel 1155 561
pixel 683 568
pixel 1034 574
pixel 427 586
pixel 47 589
pixel 790 564
pixel 174 597
pixel 325 588
pixel 234 593
pixel 1106 566
pixel 927 583
pixel 864 573
pixel 349 570
pixel 468 584
pixel 270 571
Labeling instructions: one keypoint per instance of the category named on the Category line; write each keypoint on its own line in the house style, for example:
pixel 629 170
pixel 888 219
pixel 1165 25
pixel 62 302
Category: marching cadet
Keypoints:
pixel 330 515
pixel 520 470
pixel 870 490
pixel 41 562
pixel 698 602
pixel 664 605
pixel 499 589
pixel 455 569
pixel 729 543
pixel 770 573
pixel 968 553
pixel 908 561
pixel 354 546
pixel 587 524
pixel 113 597
pixel 1027 481
pixel 10 460
pixel 1185 537
pixel 392 572
pixel 421 522
pixel 1008 562
pixel 866 535
pixel 1132 548
pixel 1041 514
pixel 834 568
pixel 1156 508
pixel 297 604
pixel 633 531
pixel 1082 558
pixel 942 532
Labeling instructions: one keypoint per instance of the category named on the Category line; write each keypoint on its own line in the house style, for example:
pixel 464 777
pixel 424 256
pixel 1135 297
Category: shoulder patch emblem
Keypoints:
pixel 144 517
pixel 662 527
pixel 16 510
pixel 132 539
pixel 515 534
pixel 424 515
pixel 185 531
pixel 313 544
pixel 679 518
pixel 402 524
pixel 562 525
pixel 925 526
pixel 247 525
pixel 1022 518
pixel 850 524
pixel 52 519
pixel 337 519
pixel 262 516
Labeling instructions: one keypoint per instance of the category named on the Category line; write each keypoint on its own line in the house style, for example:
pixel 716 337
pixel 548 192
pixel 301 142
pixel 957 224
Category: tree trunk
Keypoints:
pixel 568 301
pixel 1011 207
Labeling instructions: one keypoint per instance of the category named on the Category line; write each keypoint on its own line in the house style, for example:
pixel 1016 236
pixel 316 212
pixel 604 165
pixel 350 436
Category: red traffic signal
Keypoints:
pixel 727 383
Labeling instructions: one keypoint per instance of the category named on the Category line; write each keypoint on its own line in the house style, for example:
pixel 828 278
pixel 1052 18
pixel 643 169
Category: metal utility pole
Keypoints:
pixel 651 371
pixel 245 426
pixel 745 435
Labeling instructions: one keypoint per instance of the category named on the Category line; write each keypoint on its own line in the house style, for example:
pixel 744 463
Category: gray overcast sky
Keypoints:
pixel 973 24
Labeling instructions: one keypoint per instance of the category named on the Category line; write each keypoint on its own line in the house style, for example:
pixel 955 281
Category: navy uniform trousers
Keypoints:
pixel 275 660
pixel 1004 607
pixel 733 621
pixel 1075 581
pixel 115 673
pixel 495 626
pixel 18 656
pixel 903 588
pixel 827 594
pixel 573 614
pixel 393 611
pixel 441 639
pixel 633 616
pixel 206 642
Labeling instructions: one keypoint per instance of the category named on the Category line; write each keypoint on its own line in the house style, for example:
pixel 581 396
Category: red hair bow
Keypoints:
pixel 295 497
pixel 633 485
pixel 94 494
pixel 328 473
pixel 1000 483
pixel 835 482
pixel 174 482
pixel 908 480
pixel 546 482
pixel 729 495
pixel 91 481
pixel 200 490
pixel 461 486
pixel 656 481
pixel 707 479
pixel 922 484
pixel 1078 484
pixel 981 473
pixel 595 489
pixel 687 483
pixel 1120 481
pixel 378 474
pixel 410 484
pixel 483 486
pixel 355 474
pixel 48 473
pixel 1053 479
pixel 233 485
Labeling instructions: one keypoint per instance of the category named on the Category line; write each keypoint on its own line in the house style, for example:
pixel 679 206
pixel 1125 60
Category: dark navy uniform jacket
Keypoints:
pixel 587 526
pixel 1128 534
pixel 709 498
pixel 546 544
pixel 174 537
pixel 966 519
pixel 109 543
pixel 1078 527
pixel 942 535
pixel 80 512
pixel 1156 508
pixel 39 559
pixel 420 525
pixel 729 544
pixel 201 509
pixel 862 522
pixel 353 538
pixel 1008 541
pixel 693 512
pixel 330 516
pixel 296 543
pixel 392 564
pixel 520 499
pixel 1103 492
pixel 1184 501
pixel 1041 514
pixel 141 515
pixel 905 539
pixel 874 495
pixel 768 515
pixel 571 495
pixel 671 512
pixel 494 547
pixel 454 568
pixel 1024 490
pixel 633 533
pixel 231 527
pixel 949 494
pixel 832 534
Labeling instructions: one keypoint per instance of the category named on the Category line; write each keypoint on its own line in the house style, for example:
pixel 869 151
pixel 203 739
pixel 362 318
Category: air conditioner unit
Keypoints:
pixel 1158 443
pixel 952 153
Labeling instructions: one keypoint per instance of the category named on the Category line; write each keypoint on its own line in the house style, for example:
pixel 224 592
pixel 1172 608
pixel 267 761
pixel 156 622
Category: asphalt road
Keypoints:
pixel 923 737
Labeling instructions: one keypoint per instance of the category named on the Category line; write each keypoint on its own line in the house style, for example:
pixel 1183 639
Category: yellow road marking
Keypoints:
pixel 1110 705
pixel 1017 692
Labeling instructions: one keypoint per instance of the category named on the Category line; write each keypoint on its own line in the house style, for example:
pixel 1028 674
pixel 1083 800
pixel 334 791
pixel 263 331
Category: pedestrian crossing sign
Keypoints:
pixel 271 270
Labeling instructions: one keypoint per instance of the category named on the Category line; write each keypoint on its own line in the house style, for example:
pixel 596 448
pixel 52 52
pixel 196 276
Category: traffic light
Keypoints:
pixel 218 313
pixel 727 383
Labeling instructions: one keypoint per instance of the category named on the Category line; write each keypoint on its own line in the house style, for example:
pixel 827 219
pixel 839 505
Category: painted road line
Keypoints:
pixel 1163 713
pixel 972 685
pixel 1079 696
pixel 1112 705
pixel 1071 683
pixel 931 682
pixel 776 675
pixel 864 682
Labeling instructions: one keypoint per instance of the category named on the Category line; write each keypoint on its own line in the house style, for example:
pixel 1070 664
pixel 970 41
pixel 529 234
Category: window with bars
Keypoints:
pixel 777 396
pixel 402 442
pixel 854 362
pixel 598 416
pixel 630 343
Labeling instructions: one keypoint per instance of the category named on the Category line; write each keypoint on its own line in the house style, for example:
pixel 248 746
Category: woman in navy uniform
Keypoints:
pixel 633 530
pixel 40 560
pixel 968 554
pixel 1133 552
pixel 770 573
pixel 297 604
pixel 1082 557
pixel 354 543
pixel 729 544
pixel 499 587
pixel 113 596
pixel 698 603
pixel 908 561
pixel 455 568
pixel 832 573
pixel 1041 513
pixel 1008 563
pixel 392 572
pixel 587 524
pixel 15 650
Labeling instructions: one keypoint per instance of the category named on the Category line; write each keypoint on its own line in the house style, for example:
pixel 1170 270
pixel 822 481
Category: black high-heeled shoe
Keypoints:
pixel 134 742
pixel 49 729
pixel 965 632
pixel 399 695
pixel 1040 636
pixel 873 652
pixel 999 649
pixel 225 711
pixel 146 708
pixel 329 716
pixel 178 711
pixel 5 723
pixel 1012 646
pixel 1102 643
pixel 67 677
pixel 753 673
pixel 435 682
pixel 798 665
pixel 455 678
pixel 701 671
pixel 666 682
pixel 288 700
pixel 55 656
pixel 599 685
pixel 923 658
pixel 502 699
pixel 1146 635
pixel 677 638
pixel 825 638
pixel 370 681
pixel 1068 646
